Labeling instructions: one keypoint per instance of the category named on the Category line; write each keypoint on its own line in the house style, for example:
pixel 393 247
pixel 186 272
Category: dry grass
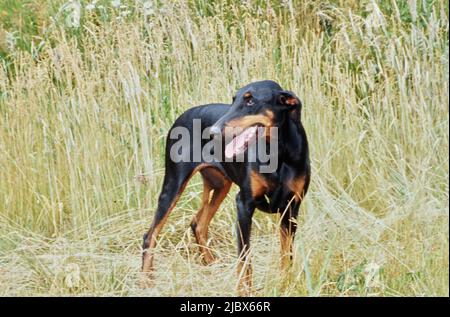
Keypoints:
pixel 84 113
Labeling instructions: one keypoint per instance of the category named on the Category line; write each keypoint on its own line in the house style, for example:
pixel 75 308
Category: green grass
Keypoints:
pixel 84 112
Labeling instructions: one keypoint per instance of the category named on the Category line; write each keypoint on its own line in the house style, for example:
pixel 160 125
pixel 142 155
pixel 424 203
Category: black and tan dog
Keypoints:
pixel 260 104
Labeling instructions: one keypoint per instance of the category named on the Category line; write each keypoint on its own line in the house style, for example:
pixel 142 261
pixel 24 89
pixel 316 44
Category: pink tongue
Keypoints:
pixel 240 142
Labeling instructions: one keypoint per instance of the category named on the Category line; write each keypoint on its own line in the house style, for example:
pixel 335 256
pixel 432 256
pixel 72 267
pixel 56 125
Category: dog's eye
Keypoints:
pixel 249 99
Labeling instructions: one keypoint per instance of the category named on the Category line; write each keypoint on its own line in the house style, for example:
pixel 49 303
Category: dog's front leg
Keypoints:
pixel 288 227
pixel 245 209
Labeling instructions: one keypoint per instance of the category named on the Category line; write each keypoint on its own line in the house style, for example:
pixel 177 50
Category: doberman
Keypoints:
pixel 262 104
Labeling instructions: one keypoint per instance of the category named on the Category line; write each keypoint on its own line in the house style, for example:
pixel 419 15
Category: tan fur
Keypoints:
pixel 258 184
pixel 292 101
pixel 265 119
pixel 215 188
pixel 147 264
pixel 245 278
pixel 297 185
pixel 286 247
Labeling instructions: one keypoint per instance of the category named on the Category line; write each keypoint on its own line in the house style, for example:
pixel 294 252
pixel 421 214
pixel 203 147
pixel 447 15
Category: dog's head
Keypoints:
pixel 256 108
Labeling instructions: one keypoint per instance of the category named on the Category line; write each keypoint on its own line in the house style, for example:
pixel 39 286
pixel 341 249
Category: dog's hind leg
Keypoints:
pixel 173 186
pixel 215 188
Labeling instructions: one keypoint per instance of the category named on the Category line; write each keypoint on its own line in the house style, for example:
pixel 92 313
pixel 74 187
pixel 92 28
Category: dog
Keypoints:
pixel 256 108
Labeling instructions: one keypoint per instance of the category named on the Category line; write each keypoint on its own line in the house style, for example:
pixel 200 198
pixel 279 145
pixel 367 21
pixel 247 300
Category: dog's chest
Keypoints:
pixel 281 188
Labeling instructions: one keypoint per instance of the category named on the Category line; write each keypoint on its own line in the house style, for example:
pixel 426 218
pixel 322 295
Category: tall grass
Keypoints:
pixel 85 108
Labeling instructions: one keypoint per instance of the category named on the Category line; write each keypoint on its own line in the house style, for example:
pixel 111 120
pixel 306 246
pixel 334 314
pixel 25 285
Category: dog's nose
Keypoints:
pixel 215 130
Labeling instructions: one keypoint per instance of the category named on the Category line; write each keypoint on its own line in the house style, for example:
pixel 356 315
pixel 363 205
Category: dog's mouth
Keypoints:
pixel 243 140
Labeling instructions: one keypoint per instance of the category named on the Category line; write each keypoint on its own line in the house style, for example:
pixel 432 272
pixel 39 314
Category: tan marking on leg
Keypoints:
pixel 210 196
pixel 286 242
pixel 206 197
pixel 148 258
pixel 245 277
pixel 155 229
pixel 297 185
pixel 217 188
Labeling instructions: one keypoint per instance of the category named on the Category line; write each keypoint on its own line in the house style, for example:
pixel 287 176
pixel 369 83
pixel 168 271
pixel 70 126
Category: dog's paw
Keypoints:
pixel 208 259
pixel 146 281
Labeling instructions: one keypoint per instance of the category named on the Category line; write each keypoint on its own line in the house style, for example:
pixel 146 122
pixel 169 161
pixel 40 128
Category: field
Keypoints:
pixel 88 91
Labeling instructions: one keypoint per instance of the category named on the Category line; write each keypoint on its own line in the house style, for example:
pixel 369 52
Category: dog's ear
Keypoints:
pixel 288 98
